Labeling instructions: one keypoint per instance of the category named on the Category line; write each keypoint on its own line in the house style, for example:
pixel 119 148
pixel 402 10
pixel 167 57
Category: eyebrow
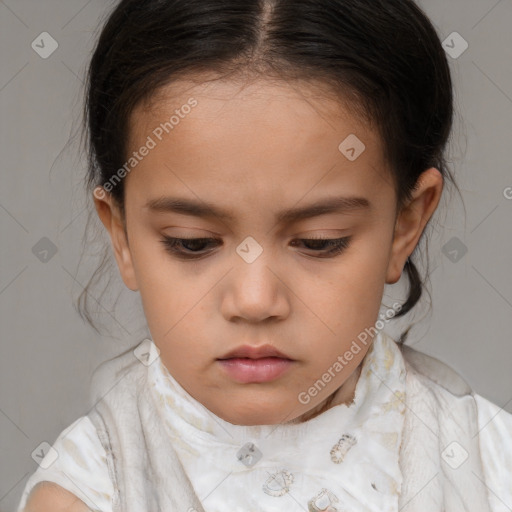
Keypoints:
pixel 207 210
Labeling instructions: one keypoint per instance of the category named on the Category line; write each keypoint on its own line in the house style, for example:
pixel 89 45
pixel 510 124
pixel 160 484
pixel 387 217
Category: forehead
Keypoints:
pixel 273 103
pixel 262 140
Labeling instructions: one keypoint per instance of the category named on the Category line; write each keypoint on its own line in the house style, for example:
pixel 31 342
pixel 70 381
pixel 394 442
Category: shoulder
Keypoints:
pixel 493 424
pixel 49 496
pixel 495 435
pixel 435 370
pixel 73 468
pixel 493 420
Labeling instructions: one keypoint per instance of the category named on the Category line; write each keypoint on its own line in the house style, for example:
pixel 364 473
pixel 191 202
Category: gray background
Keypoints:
pixel 48 353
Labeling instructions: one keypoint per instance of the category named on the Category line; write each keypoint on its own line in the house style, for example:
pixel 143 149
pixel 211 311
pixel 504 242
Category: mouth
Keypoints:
pixel 248 363
pixel 247 370
pixel 252 352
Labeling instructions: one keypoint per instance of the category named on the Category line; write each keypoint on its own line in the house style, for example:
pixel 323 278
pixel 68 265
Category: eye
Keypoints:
pixel 194 247
pixel 328 247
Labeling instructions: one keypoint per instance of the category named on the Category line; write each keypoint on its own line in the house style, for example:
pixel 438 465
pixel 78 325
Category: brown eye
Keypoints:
pixel 187 247
pixel 328 247
pixel 193 248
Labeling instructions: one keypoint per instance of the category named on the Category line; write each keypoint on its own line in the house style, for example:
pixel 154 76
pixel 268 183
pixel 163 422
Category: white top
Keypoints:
pixel 313 462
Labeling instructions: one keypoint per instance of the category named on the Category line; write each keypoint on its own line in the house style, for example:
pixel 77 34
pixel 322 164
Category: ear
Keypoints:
pixel 110 215
pixel 412 219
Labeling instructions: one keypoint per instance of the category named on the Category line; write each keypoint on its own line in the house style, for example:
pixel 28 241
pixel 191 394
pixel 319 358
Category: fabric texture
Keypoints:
pixel 401 422
pixel 347 455
pixel 81 467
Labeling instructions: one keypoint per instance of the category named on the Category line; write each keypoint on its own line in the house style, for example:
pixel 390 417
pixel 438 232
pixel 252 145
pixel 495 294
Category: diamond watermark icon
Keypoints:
pixel 454 455
pixel 45 455
pixel 44 45
pixel 147 352
pixel 44 250
pixel 352 147
pixel 249 454
pixel 454 249
pixel 249 250
pixel 455 45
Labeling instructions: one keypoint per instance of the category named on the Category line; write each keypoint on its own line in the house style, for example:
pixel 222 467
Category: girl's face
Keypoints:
pixel 259 157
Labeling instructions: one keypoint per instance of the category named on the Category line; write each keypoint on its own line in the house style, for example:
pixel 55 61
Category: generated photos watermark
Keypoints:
pixel 342 361
pixel 151 143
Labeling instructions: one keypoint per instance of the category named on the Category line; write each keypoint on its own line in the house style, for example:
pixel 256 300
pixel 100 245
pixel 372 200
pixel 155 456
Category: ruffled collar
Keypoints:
pixel 346 458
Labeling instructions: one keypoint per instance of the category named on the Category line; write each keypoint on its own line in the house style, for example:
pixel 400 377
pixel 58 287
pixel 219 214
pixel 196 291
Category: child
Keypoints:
pixel 263 169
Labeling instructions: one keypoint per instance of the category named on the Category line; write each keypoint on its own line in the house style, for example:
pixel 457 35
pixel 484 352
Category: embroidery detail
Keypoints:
pixel 340 449
pixel 278 484
pixel 323 502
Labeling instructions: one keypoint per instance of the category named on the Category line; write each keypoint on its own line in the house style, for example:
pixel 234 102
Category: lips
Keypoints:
pixel 252 352
pixel 249 364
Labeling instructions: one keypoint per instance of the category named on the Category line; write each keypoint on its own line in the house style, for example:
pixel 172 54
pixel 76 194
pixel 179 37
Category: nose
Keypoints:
pixel 256 291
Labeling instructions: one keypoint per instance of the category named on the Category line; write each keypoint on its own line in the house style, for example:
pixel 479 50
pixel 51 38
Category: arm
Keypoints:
pixel 50 497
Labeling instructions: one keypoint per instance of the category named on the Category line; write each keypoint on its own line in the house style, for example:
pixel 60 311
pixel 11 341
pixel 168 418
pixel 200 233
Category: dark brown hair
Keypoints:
pixel 382 55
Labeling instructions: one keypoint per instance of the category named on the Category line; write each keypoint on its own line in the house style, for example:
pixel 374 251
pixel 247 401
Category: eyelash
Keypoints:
pixel 338 246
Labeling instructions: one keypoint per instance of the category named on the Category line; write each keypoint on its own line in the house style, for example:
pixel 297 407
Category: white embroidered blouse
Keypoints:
pixel 312 465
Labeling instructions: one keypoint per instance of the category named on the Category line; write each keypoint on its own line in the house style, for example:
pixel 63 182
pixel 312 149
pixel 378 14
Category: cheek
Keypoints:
pixel 345 292
pixel 162 287
pixel 349 296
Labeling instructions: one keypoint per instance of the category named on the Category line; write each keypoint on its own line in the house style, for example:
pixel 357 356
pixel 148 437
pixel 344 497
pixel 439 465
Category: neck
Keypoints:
pixel 343 395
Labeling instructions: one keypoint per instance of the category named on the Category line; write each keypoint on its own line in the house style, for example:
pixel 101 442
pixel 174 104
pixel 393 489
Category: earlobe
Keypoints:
pixel 411 221
pixel 111 218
